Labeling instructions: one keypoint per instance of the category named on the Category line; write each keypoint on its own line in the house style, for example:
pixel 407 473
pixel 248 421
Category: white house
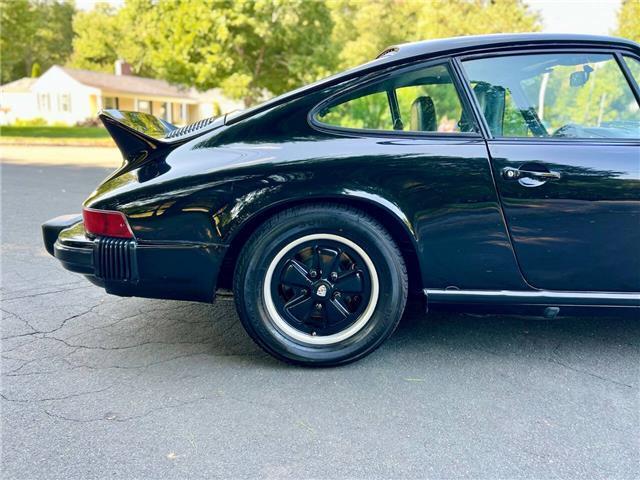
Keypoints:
pixel 17 101
pixel 68 95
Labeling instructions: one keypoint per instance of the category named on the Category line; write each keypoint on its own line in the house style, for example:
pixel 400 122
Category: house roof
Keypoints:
pixel 127 83
pixel 22 85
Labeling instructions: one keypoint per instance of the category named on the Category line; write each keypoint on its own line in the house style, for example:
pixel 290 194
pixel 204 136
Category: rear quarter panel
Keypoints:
pixel 439 189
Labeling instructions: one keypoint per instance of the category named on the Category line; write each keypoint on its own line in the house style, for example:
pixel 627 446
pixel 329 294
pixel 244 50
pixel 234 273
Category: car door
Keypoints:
pixel 563 136
pixel 408 138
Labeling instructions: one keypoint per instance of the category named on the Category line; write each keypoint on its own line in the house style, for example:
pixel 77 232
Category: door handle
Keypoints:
pixel 510 173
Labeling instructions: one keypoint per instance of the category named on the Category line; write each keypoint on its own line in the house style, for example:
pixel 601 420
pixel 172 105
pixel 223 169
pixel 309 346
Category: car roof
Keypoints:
pixel 472 42
pixel 433 48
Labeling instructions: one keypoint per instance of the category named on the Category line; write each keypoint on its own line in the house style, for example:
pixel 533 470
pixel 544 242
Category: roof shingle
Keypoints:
pixel 127 83
pixel 23 85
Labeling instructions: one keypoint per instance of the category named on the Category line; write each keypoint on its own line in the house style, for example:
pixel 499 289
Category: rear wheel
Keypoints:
pixel 320 285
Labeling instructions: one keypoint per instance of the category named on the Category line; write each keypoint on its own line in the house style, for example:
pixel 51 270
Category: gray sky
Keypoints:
pixel 558 16
pixel 577 16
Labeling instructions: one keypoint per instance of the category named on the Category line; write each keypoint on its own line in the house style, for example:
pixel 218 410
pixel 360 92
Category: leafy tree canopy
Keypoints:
pixel 249 48
pixel 364 28
pixel 104 35
pixel 629 20
pixel 34 31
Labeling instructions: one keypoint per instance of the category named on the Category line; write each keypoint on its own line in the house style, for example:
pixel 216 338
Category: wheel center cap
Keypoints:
pixel 322 291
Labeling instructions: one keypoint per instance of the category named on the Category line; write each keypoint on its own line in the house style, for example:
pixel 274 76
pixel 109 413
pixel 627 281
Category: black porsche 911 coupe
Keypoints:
pixel 497 171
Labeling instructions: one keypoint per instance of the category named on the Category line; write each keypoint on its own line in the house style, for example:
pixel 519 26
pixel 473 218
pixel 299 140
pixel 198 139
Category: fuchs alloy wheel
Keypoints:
pixel 320 285
pixel 321 289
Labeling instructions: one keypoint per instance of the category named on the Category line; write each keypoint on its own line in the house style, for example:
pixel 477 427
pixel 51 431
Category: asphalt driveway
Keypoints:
pixel 95 386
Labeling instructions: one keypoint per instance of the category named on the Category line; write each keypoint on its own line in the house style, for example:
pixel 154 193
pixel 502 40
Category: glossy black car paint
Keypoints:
pixel 193 204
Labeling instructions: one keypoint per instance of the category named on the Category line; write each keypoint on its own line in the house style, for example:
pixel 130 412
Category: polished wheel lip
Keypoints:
pixel 295 334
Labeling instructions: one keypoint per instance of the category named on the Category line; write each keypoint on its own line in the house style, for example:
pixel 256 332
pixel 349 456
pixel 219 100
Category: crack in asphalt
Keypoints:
pixel 46 332
pixel 53 399
pixel 84 287
pixel 127 347
pixel 127 418
pixel 591 374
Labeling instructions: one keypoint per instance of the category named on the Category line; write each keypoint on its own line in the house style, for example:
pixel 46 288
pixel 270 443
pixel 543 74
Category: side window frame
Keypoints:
pixel 620 58
pixel 480 119
pixel 370 79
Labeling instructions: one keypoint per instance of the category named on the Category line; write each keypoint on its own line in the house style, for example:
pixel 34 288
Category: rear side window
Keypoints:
pixel 419 100
pixel 567 95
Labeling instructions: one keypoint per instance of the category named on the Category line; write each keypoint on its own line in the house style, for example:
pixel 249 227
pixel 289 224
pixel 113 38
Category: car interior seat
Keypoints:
pixel 491 100
pixel 423 115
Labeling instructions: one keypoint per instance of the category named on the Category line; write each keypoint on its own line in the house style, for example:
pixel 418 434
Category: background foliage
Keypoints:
pixel 249 48
pixel 34 32
pixel 629 20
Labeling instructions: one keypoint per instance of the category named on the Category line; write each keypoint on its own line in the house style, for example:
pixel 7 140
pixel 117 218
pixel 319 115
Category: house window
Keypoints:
pixel 109 103
pixel 144 106
pixel 44 102
pixel 64 102
pixel 165 111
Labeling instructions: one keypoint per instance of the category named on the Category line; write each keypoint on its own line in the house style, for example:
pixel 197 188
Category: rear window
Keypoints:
pixel 419 100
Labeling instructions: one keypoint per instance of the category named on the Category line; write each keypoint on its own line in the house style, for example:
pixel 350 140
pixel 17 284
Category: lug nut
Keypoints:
pixel 313 274
pixel 318 306
pixel 334 276
pixel 337 295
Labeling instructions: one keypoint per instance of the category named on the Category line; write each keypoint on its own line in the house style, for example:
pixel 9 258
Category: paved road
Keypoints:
pixel 106 157
pixel 95 386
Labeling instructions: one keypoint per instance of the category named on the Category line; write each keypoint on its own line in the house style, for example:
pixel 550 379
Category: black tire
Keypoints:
pixel 362 250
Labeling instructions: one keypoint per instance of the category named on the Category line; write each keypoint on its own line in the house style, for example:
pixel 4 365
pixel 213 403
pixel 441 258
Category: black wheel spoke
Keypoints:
pixel 321 287
pixel 294 273
pixel 336 312
pixel 300 308
pixel 328 258
pixel 350 282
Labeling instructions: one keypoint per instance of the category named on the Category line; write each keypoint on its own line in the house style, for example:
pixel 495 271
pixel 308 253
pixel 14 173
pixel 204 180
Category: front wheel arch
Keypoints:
pixel 397 229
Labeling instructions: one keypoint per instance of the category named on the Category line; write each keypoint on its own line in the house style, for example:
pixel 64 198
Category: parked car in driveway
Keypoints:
pixel 490 171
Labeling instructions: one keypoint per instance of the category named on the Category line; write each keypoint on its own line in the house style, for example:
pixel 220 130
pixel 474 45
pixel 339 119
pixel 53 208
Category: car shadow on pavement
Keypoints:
pixel 165 329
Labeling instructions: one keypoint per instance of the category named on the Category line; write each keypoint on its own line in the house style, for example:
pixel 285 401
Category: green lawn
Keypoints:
pixel 54 132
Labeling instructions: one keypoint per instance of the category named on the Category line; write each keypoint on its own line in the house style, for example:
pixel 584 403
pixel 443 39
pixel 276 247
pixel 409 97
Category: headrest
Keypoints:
pixel 423 115
pixel 491 99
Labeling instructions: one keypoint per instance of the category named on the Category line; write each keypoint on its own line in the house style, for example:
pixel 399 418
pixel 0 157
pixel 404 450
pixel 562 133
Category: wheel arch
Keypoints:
pixel 389 216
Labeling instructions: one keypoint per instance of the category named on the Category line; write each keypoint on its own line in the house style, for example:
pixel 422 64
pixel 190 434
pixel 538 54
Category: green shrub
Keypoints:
pixel 32 122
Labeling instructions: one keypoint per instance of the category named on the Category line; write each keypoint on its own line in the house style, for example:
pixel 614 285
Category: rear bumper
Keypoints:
pixel 172 270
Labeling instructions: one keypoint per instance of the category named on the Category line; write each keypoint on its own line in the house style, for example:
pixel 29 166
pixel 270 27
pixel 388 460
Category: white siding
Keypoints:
pixel 14 106
pixel 55 89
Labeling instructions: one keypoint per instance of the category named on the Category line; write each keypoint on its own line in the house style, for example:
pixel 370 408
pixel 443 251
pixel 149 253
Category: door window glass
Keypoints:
pixel 567 95
pixel 420 100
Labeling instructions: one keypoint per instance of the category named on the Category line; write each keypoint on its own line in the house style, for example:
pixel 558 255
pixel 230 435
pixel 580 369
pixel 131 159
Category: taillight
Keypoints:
pixel 106 223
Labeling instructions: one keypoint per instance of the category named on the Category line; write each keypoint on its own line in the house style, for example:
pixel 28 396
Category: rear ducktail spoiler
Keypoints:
pixel 141 136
